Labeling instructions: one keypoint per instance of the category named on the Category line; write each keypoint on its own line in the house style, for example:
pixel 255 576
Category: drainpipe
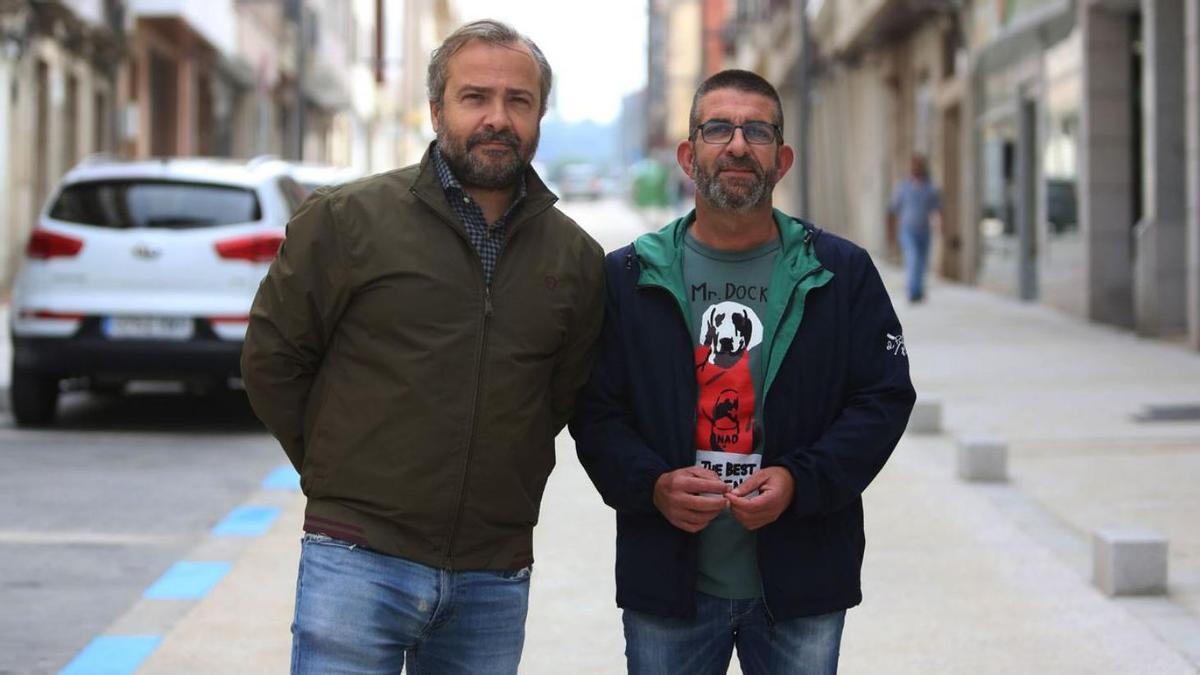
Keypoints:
pixel 805 82
pixel 115 16
pixel 298 17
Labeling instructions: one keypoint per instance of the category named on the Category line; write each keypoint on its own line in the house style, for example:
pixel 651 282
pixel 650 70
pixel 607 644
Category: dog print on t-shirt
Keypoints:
pixel 726 405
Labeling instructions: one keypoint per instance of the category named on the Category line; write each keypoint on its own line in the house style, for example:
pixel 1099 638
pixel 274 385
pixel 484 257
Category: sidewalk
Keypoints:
pixel 959 578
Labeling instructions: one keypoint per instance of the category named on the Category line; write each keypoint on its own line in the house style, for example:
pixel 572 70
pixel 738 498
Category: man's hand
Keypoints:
pixel 690 497
pixel 775 487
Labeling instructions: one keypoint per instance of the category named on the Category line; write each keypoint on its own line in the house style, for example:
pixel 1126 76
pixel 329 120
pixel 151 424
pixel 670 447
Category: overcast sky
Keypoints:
pixel 597 49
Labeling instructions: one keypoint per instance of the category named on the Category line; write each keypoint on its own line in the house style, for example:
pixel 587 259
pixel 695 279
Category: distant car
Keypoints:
pixel 313 176
pixel 143 271
pixel 580 181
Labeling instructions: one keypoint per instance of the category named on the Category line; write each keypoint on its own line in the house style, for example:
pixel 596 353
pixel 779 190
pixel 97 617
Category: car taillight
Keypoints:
pixel 253 248
pixel 44 244
pixel 47 314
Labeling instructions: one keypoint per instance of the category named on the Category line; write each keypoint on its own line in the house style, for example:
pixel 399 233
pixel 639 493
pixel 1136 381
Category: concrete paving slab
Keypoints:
pixel 951 585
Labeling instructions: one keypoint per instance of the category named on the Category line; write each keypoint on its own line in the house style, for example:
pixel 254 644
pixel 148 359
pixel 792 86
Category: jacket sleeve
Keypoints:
pixel 835 470
pixel 291 321
pixel 574 362
pixel 616 457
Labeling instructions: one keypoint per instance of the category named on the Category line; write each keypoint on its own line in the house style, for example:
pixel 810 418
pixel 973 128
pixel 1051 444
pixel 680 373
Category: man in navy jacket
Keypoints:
pixel 751 380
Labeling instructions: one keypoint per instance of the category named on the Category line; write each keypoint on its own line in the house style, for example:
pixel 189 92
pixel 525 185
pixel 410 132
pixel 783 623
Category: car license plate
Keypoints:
pixel 148 327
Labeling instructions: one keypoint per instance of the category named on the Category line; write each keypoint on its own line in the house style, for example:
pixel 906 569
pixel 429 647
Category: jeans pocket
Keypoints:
pixel 318 539
pixel 522 574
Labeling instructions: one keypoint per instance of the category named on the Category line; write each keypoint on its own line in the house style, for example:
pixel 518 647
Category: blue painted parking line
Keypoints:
pixel 187 580
pixel 247 521
pixel 112 655
pixel 283 478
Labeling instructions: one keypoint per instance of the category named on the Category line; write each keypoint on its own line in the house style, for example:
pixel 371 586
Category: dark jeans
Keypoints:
pixel 659 646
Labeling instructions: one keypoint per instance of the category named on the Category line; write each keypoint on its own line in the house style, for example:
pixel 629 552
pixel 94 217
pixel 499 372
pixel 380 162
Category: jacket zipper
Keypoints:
pixel 480 350
pixel 692 539
pixel 688 332
pixel 470 437
pixel 758 553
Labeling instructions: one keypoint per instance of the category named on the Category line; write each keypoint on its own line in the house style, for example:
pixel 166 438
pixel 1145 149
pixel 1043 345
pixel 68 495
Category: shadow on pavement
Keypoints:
pixel 155 412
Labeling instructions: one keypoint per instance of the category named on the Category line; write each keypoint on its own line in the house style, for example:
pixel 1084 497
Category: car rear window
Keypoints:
pixel 163 204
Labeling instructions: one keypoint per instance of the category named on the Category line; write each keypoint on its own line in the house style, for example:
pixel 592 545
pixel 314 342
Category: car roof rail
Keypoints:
pixel 258 161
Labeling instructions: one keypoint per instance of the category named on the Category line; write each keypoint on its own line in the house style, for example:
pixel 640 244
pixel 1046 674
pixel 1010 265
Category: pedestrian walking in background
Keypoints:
pixel 415 348
pixel 916 205
pixel 736 465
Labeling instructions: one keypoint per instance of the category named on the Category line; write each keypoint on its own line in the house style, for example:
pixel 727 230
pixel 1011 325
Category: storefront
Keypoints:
pixel 1022 161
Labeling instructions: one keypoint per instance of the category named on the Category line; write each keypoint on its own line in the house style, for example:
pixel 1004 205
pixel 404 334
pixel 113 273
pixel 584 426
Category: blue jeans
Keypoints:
pixel 914 244
pixel 363 612
pixel 656 645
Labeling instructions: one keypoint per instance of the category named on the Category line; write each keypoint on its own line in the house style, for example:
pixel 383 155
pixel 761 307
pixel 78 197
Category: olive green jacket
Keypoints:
pixel 419 406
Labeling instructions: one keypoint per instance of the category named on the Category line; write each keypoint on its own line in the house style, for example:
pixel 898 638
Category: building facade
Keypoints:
pixel 59 83
pixel 1063 133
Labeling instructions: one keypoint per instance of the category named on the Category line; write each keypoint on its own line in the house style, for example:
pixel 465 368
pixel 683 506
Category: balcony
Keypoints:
pixel 863 24
pixel 213 20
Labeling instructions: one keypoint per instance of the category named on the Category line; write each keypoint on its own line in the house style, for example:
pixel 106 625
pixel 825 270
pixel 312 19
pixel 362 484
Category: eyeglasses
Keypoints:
pixel 718 132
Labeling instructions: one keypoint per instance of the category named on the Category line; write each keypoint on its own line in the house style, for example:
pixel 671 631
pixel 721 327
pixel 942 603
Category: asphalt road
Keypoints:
pixel 93 511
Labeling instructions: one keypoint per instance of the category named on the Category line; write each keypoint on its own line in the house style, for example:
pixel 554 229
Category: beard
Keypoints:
pixel 494 170
pixel 744 194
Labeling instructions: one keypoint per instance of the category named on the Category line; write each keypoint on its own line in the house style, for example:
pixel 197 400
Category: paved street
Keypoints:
pixel 96 509
pixel 959 577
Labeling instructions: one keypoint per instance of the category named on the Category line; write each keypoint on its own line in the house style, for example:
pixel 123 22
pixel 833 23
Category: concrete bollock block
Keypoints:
pixel 1129 561
pixel 982 459
pixel 926 417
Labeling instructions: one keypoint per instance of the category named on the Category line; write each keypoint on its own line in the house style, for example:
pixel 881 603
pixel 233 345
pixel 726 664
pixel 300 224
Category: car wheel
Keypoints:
pixel 34 398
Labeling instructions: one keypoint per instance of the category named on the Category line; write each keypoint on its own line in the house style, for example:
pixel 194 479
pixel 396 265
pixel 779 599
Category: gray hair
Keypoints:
pixel 489 31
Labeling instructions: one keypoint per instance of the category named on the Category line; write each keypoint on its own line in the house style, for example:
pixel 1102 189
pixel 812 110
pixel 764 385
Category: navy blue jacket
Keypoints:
pixel 837 396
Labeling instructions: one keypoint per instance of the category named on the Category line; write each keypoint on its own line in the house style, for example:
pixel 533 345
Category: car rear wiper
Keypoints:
pixel 180 222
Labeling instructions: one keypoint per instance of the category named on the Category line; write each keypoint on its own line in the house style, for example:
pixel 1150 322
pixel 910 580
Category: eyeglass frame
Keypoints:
pixel 698 130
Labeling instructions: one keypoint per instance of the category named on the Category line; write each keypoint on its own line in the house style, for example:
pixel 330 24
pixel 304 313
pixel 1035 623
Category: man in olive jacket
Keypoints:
pixel 415 348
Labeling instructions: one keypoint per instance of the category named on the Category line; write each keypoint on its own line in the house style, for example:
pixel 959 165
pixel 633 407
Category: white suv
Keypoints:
pixel 144 271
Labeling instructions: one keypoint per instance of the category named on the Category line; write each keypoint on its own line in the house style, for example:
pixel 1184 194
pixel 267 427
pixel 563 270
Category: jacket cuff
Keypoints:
pixel 641 487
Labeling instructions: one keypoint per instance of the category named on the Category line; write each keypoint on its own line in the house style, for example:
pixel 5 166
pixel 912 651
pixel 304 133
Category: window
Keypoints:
pixel 159 204
pixel 1060 165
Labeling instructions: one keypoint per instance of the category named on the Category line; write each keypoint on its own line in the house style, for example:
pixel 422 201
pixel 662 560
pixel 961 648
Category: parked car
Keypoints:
pixel 143 271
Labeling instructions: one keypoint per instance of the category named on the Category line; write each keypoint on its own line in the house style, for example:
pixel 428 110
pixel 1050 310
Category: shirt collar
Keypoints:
pixel 450 181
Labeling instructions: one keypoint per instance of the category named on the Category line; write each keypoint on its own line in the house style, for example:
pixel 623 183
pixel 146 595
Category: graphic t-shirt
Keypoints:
pixel 727 292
